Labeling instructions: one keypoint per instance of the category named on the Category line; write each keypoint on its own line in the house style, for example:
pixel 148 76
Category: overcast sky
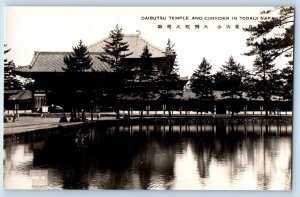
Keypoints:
pixel 29 29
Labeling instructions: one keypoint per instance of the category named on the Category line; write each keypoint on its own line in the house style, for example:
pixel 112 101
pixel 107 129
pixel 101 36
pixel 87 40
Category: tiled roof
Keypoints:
pixel 11 91
pixel 21 95
pixel 136 44
pixel 218 95
pixel 54 62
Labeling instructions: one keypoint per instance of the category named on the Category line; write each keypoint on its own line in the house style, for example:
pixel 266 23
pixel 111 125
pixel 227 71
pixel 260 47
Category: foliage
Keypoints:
pixel 286 75
pixel 168 78
pixel 146 70
pixel 168 75
pixel 114 54
pixel 219 81
pixel 115 51
pixel 201 81
pixel 145 77
pixel 202 85
pixel 79 60
pixel 234 75
pixel 270 40
pixel 275 34
pixel 11 81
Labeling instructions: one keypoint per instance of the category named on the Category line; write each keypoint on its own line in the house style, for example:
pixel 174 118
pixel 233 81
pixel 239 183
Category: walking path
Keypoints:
pixel 27 124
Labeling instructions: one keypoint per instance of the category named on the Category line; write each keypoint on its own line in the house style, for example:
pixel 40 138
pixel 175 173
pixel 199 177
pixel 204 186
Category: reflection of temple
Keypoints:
pixel 110 158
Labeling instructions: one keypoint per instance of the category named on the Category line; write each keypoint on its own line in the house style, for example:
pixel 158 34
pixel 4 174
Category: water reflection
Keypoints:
pixel 155 157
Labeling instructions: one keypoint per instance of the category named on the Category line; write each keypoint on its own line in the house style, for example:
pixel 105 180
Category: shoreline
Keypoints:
pixel 32 125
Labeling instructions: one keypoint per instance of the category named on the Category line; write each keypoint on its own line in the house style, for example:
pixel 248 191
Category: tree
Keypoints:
pixel 202 85
pixel 265 81
pixel 168 78
pixel 234 73
pixel 276 33
pixel 233 83
pixel 11 81
pixel 286 76
pixel 145 75
pixel 79 60
pixel 114 54
pixel 219 81
pixel 271 39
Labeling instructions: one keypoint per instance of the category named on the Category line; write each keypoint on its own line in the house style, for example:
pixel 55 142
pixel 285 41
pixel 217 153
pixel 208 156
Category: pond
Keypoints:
pixel 154 157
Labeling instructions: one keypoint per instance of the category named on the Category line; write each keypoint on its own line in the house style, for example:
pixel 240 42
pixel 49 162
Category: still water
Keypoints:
pixel 184 157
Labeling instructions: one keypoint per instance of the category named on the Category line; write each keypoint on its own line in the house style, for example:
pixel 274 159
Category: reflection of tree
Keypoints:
pixel 157 159
pixel 122 159
pixel 203 150
pixel 264 175
pixel 64 154
pixel 114 156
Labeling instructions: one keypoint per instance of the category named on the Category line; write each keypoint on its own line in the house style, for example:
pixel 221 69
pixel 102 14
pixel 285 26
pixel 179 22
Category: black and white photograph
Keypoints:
pixel 148 98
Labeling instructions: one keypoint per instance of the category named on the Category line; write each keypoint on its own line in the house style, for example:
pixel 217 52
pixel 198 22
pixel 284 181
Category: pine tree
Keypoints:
pixel 201 80
pixel 272 39
pixel 145 76
pixel 79 60
pixel 233 83
pixel 265 81
pixel 115 51
pixel 168 78
pixel 11 80
pixel 169 69
pixel 114 54
pixel 286 75
pixel 276 33
pixel 202 85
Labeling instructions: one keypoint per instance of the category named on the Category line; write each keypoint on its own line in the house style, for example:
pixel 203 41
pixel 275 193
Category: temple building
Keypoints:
pixel 55 86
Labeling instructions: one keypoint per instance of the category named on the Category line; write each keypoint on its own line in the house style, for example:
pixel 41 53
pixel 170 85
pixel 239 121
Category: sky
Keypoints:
pixel 29 29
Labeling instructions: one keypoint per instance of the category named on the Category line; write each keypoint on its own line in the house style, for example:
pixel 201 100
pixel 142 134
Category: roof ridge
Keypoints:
pixel 58 52
pixel 51 52
pixel 35 56
pixel 124 35
pixel 136 35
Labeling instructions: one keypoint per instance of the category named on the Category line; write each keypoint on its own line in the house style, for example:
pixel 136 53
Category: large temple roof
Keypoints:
pixel 136 44
pixel 44 61
pixel 54 62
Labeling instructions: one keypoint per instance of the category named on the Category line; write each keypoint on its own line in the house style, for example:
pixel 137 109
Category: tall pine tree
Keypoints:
pixel 233 84
pixel 145 76
pixel 201 81
pixel 168 78
pixel 265 81
pixel 202 86
pixel 77 61
pixel 272 39
pixel 115 51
